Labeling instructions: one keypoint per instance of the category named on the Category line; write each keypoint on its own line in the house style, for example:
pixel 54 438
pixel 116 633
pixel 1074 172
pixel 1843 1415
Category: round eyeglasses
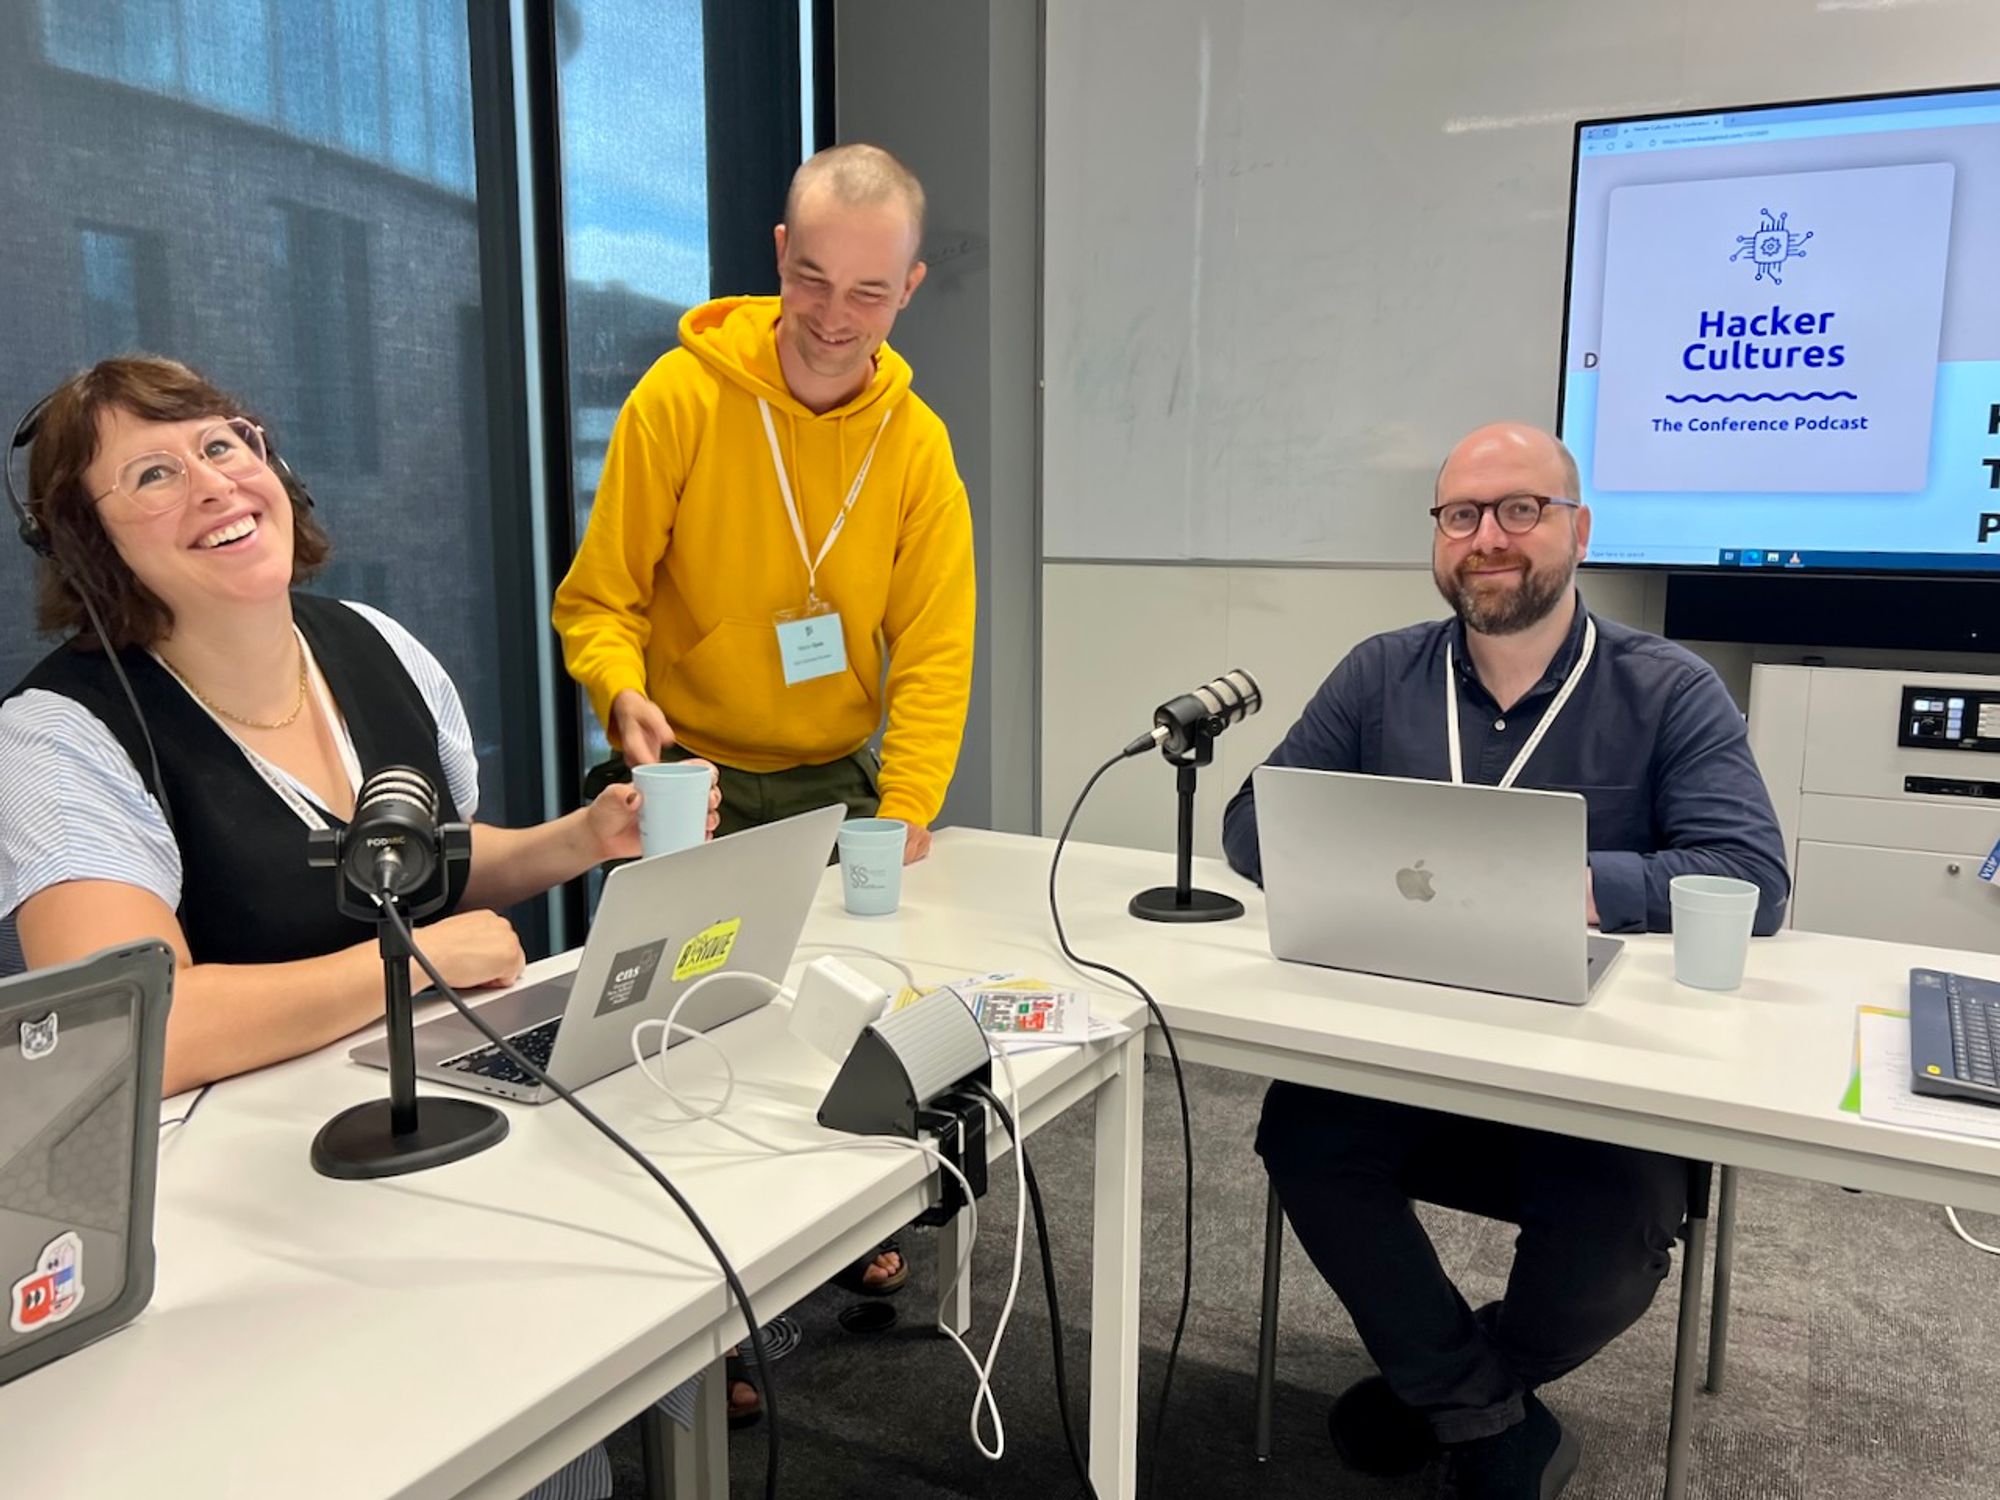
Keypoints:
pixel 1517 514
pixel 158 482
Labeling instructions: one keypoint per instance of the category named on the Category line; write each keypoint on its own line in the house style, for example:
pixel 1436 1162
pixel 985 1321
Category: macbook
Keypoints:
pixel 734 904
pixel 1477 887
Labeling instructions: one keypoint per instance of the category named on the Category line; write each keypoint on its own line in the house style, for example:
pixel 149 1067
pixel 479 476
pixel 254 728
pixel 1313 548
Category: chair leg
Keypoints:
pixel 1687 1333
pixel 1687 1341
pixel 1267 1326
pixel 1725 1269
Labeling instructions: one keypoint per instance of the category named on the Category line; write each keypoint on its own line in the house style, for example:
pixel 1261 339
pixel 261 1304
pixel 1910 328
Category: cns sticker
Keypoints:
pixel 708 950
pixel 630 977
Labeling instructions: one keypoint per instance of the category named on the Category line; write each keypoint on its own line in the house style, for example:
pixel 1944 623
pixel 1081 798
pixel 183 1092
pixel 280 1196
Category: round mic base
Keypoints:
pixel 358 1143
pixel 1163 903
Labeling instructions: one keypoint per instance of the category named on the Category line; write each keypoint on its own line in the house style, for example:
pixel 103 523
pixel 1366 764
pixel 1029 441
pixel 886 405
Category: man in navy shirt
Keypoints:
pixel 1650 737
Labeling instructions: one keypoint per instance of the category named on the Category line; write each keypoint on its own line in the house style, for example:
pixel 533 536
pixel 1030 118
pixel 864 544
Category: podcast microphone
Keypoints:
pixel 1185 729
pixel 392 842
pixel 395 854
pixel 393 848
pixel 1184 723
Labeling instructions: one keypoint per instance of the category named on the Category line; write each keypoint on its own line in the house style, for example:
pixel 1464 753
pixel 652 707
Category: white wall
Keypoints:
pixel 1457 114
pixel 953 90
pixel 1118 639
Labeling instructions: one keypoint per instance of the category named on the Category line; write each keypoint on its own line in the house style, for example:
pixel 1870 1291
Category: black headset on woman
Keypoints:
pixel 37 538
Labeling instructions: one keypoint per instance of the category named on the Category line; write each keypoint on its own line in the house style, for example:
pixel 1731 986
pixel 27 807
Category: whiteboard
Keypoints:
pixel 1294 249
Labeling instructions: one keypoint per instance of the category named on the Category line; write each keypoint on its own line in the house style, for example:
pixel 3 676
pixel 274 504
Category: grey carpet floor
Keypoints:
pixel 1864 1356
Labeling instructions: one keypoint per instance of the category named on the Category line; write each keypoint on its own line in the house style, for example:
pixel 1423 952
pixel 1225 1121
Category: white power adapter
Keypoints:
pixel 836 1002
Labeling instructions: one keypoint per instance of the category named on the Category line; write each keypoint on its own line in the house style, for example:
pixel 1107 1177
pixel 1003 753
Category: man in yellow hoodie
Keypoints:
pixel 779 520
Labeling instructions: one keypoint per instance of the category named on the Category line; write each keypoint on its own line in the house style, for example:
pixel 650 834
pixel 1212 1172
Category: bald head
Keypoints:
pixel 1540 460
pixel 1518 564
pixel 857 176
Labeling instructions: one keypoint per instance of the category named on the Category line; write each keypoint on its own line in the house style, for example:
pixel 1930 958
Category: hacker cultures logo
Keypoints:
pixel 1771 246
pixel 1766 340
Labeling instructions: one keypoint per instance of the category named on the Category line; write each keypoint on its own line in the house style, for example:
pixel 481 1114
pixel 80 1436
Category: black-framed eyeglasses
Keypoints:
pixel 1517 514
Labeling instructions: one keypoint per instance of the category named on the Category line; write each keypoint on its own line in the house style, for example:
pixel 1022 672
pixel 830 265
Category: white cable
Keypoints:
pixel 983 1397
pixel 999 1053
pixel 1958 1228
pixel 672 1023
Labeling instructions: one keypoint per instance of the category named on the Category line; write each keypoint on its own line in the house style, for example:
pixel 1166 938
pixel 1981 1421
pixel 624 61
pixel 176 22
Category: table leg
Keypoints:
pixel 1114 1286
pixel 710 1442
pixel 667 1452
pixel 957 1310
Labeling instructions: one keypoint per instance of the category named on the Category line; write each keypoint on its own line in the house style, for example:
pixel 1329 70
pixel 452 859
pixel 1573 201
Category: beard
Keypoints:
pixel 1494 609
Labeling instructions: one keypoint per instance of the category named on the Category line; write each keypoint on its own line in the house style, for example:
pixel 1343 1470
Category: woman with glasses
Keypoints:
pixel 158 497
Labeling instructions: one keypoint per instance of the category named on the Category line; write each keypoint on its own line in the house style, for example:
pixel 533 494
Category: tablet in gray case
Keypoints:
pixel 81 1053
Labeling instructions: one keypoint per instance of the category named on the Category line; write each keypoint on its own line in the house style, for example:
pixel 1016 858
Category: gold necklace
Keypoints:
pixel 213 707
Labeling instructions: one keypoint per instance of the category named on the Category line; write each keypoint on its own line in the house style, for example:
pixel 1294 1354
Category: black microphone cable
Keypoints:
pixel 37 540
pixel 1076 1457
pixel 1180 1087
pixel 764 1362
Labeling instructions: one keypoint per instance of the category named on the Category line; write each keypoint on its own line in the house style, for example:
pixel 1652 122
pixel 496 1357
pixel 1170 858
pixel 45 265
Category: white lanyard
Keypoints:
pixel 1562 697
pixel 791 506
pixel 279 780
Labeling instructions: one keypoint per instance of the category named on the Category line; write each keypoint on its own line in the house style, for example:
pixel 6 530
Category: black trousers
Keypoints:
pixel 1597 1224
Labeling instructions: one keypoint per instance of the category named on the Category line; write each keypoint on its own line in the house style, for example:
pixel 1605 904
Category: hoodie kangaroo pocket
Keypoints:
pixel 730 688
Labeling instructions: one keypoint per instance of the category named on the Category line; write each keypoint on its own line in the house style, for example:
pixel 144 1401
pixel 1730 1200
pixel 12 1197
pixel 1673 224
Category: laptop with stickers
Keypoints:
pixel 734 905
pixel 81 1052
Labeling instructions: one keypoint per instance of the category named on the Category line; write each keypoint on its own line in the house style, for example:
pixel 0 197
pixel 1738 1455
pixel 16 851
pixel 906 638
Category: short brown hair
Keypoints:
pixel 65 445
pixel 860 174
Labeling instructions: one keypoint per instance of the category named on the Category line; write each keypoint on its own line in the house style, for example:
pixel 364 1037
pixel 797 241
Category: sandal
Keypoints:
pixel 742 1412
pixel 855 1277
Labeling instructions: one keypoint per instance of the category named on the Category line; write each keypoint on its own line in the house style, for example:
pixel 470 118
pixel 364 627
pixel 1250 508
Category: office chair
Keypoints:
pixel 1694 1233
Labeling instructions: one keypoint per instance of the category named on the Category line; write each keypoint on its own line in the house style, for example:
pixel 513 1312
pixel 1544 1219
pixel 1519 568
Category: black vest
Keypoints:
pixel 247 894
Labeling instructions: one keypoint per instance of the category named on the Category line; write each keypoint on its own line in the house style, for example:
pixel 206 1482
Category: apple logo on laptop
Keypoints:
pixel 1415 883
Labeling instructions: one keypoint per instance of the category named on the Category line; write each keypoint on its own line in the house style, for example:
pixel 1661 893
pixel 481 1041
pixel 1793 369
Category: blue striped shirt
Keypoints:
pixel 74 807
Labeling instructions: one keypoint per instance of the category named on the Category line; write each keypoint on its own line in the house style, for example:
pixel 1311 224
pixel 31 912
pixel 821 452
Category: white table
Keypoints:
pixel 467 1330
pixel 1750 1079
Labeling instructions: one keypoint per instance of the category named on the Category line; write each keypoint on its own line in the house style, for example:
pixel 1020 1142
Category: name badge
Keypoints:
pixel 810 643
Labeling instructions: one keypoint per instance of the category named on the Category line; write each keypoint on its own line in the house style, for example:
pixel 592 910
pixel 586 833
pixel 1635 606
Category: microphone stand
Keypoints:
pixel 405 1132
pixel 1181 901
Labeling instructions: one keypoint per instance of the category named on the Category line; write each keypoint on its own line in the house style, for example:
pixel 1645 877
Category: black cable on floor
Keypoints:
pixel 395 918
pixel 1187 1126
pixel 1076 1457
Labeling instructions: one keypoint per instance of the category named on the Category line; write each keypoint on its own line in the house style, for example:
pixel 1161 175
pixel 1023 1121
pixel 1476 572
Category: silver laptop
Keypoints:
pixel 1471 886
pixel 736 904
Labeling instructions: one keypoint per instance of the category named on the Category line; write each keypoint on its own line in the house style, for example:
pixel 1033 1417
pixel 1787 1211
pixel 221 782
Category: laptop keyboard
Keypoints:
pixel 536 1043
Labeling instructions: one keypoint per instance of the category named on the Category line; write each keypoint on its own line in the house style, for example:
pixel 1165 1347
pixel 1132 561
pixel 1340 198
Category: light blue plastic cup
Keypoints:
pixel 871 864
pixel 1712 918
pixel 674 812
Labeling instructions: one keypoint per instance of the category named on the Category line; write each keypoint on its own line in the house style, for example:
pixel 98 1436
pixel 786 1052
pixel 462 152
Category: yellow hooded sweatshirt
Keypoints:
pixel 689 555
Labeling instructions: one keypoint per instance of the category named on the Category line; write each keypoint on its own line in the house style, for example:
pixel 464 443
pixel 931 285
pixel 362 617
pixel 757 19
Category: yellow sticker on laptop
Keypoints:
pixel 708 950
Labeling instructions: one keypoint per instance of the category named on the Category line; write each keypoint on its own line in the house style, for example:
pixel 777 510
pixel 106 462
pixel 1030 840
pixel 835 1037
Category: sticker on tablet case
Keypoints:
pixel 39 1038
pixel 53 1290
pixel 708 950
